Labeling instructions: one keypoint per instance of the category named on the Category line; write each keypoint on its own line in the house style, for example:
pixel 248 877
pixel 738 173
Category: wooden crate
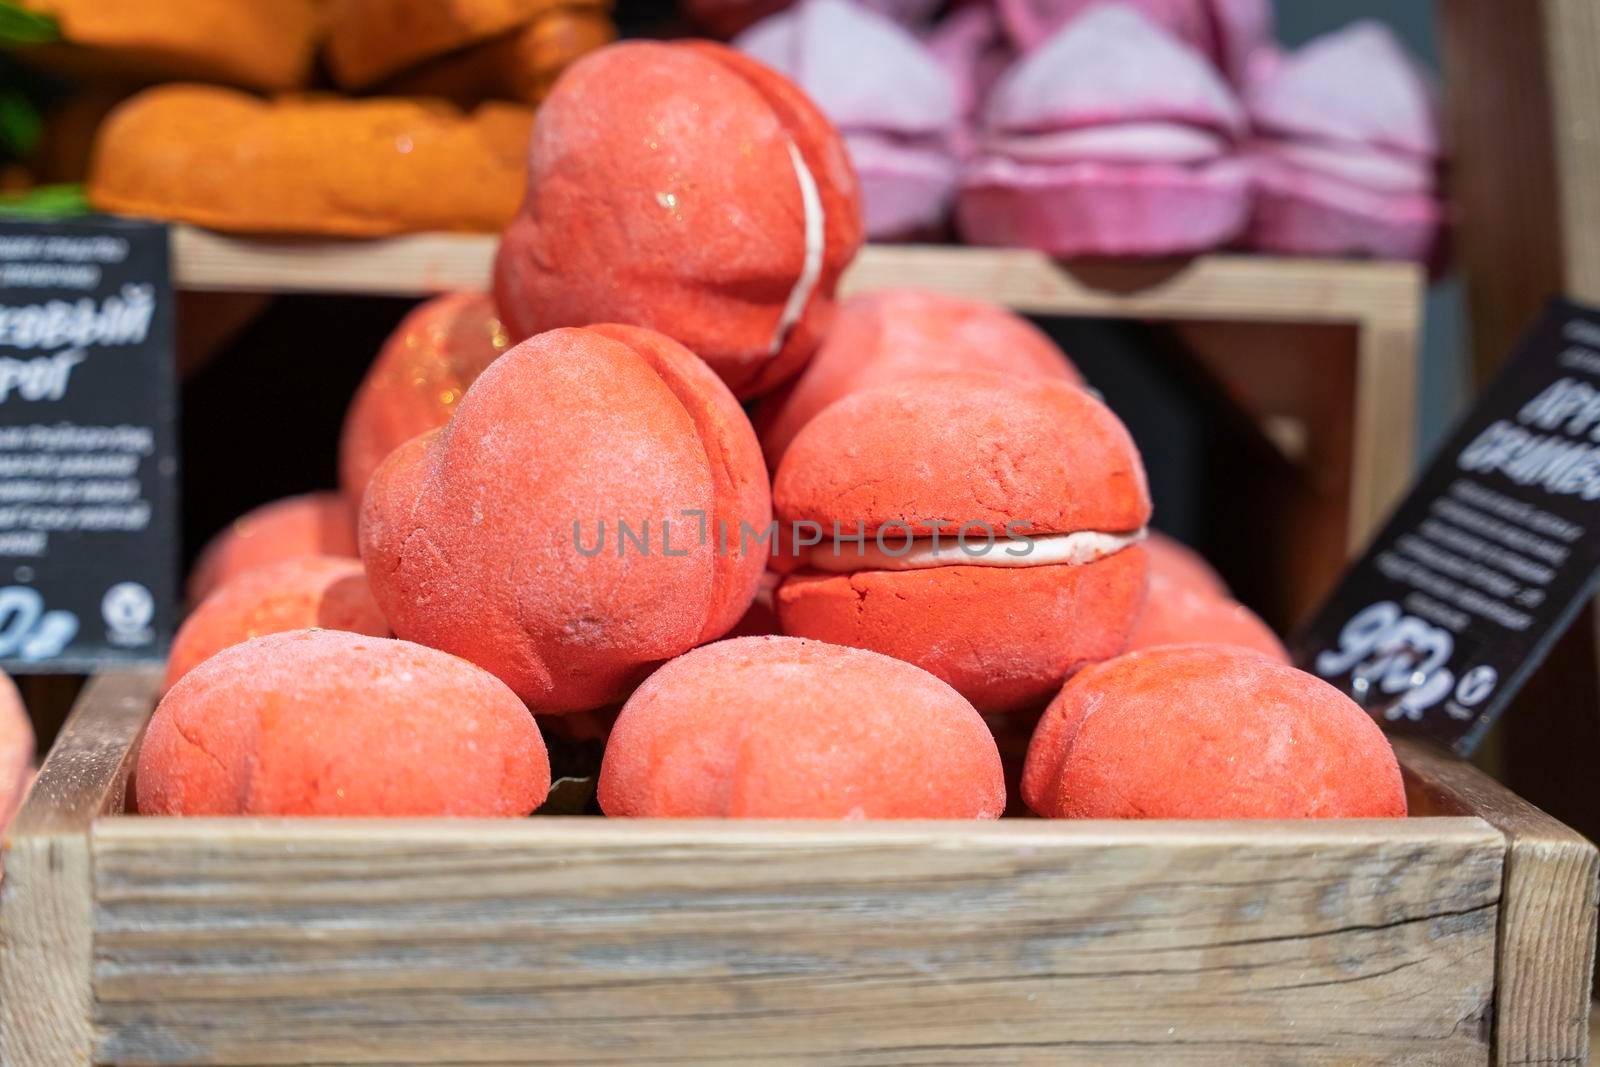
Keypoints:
pixel 1459 936
pixel 1321 353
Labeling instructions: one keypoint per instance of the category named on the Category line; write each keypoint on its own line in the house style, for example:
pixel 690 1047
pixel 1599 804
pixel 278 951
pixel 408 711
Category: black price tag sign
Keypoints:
pixel 1489 557
pixel 88 445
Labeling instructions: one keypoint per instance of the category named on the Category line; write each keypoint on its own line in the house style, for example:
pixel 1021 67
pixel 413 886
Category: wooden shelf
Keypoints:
pixel 1216 287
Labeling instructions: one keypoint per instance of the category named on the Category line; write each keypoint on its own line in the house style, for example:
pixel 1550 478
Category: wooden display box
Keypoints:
pixel 1462 935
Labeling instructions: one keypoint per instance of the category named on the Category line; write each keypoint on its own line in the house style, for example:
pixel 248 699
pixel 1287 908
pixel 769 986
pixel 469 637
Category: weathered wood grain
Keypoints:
pixel 579 941
pixel 46 899
pixel 1547 923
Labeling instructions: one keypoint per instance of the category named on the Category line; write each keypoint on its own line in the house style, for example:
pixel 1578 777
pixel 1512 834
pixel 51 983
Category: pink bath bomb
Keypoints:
pixel 1208 732
pixel 777 727
pixel 320 722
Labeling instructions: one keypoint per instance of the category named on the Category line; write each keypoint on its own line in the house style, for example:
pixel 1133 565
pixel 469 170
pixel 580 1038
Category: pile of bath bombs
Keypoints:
pixel 916 581
pixel 1146 127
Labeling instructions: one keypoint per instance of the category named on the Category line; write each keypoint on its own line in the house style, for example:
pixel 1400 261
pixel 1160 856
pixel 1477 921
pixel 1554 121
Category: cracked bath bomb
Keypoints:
pixel 1049 489
pixel 325 592
pixel 425 366
pixel 500 536
pixel 1208 732
pixel 781 728
pixel 688 188
pixel 893 334
pixel 318 722
pixel 312 524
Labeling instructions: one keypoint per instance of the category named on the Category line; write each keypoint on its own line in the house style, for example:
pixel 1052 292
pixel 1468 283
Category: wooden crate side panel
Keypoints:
pixel 564 941
pixel 1547 920
pixel 46 899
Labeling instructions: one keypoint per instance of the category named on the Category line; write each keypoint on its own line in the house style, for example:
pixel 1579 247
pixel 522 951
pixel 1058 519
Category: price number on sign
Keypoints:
pixel 1388 653
pixel 29 632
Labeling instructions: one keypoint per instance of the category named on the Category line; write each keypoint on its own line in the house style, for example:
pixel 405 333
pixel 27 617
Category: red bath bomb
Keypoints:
pixel 16 748
pixel 319 722
pixel 893 334
pixel 497 537
pixel 412 387
pixel 1036 457
pixel 313 524
pixel 775 727
pixel 1183 566
pixel 1174 615
pixel 324 592
pixel 688 188
pixel 1208 732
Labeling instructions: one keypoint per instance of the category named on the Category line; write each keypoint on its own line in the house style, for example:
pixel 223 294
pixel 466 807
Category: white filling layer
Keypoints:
pixel 811 201
pixel 1045 550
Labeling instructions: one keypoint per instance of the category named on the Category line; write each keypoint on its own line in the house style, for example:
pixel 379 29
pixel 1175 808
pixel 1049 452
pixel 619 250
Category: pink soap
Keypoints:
pixel 777 727
pixel 313 524
pixel 1111 138
pixel 1208 732
pixel 320 722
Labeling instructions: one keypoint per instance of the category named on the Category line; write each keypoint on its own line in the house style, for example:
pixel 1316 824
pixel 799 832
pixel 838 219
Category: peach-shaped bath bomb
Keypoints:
pixel 893 334
pixel 16 748
pixel 687 188
pixel 325 592
pixel 1174 615
pixel 1208 732
pixel 319 722
pixel 1182 566
pixel 498 536
pixel 774 727
pixel 1042 501
pixel 412 387
pixel 312 524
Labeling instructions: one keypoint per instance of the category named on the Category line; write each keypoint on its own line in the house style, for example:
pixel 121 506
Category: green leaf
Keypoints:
pixel 45 202
pixel 20 124
pixel 21 26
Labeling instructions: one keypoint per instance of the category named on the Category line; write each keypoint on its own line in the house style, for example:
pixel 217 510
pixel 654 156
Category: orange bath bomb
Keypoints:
pixel 16 748
pixel 499 537
pixel 774 727
pixel 1182 566
pixel 1208 732
pixel 1175 615
pixel 893 334
pixel 1039 465
pixel 684 187
pixel 319 722
pixel 313 524
pixel 324 592
pixel 424 367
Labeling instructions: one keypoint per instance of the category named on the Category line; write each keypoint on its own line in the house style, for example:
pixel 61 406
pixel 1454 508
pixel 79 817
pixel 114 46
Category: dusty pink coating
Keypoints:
pixel 1182 566
pixel 325 592
pixel 484 538
pixel 16 748
pixel 966 447
pixel 1112 65
pixel 1175 615
pixel 312 524
pixel 685 187
pixel 777 727
pixel 1099 208
pixel 893 334
pixel 320 722
pixel 1208 732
